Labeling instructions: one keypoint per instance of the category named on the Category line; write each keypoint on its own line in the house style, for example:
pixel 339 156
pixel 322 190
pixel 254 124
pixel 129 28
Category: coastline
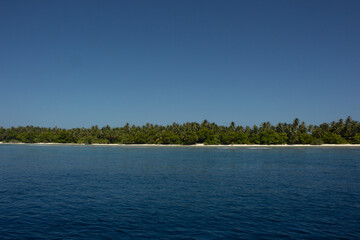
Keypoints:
pixel 198 145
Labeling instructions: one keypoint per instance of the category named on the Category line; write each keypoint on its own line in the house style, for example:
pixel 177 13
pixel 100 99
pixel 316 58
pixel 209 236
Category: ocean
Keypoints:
pixel 112 192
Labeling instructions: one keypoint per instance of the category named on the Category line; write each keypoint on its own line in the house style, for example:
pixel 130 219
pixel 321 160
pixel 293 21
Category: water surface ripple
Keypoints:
pixel 101 192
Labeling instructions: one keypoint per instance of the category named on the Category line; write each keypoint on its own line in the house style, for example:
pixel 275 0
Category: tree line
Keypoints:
pixel 340 132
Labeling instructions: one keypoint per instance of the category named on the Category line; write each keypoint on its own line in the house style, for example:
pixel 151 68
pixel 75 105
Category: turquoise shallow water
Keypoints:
pixel 102 192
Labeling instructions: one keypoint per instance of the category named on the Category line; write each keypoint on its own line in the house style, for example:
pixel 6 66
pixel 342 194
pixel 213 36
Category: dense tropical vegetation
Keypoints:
pixel 297 132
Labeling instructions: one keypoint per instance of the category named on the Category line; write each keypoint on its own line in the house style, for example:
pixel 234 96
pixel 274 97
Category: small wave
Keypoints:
pixel 259 148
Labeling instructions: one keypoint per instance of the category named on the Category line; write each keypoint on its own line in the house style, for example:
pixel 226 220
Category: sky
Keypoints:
pixel 83 63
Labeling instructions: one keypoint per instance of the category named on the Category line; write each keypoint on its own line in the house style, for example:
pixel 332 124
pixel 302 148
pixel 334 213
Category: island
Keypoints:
pixel 192 133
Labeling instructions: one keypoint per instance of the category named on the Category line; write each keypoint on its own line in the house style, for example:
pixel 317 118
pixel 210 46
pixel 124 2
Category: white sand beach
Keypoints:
pixel 198 145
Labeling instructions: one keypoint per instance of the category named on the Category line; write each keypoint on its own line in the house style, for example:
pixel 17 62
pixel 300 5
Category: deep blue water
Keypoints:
pixel 95 192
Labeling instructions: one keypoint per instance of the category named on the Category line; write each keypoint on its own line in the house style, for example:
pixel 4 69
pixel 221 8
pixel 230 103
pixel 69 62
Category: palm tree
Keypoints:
pixel 302 127
pixel 265 126
pixel 295 124
pixel 232 126
pixel 280 127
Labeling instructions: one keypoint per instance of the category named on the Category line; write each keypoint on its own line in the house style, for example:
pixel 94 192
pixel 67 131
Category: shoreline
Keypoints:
pixel 198 145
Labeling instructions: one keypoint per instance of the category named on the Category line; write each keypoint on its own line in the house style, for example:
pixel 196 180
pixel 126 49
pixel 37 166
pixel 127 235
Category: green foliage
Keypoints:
pixel 228 138
pixel 332 138
pixel 189 138
pixel 214 140
pixel 254 138
pixel 88 140
pixel 269 137
pixel 168 137
pixel 46 137
pixel 204 134
pixel 305 138
pixel 27 137
pixel 297 132
pixel 242 138
pixel 317 142
pixel 356 139
pixel 63 137
pixel 283 138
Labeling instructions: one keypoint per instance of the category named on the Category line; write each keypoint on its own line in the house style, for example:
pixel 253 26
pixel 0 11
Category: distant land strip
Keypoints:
pixel 342 133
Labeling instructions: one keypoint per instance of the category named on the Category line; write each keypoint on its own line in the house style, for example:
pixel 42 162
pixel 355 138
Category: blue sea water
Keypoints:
pixel 103 192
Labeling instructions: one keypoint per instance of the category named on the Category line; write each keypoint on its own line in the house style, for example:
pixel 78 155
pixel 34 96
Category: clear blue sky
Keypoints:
pixel 83 63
